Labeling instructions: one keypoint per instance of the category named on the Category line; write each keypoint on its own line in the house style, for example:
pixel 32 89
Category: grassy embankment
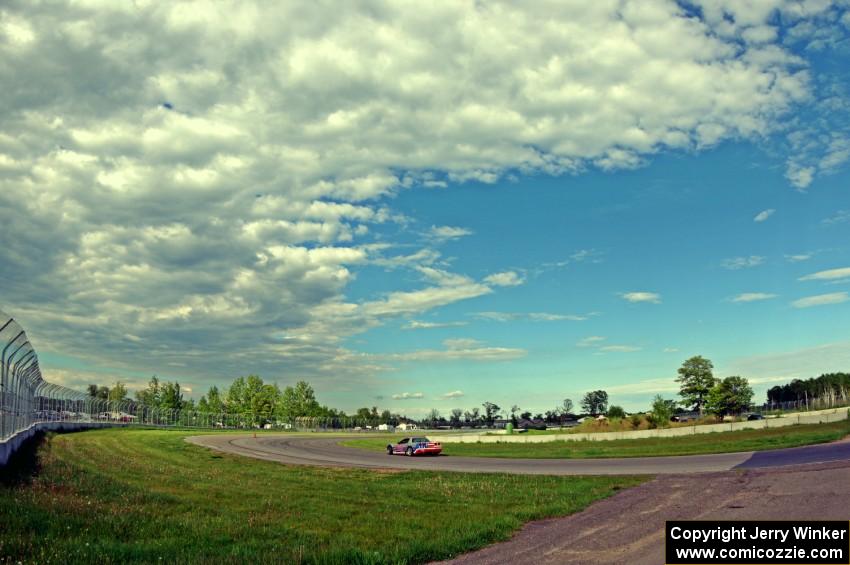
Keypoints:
pixel 116 496
pixel 718 442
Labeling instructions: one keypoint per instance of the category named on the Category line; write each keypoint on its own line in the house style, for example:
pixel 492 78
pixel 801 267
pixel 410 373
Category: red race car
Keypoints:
pixel 415 446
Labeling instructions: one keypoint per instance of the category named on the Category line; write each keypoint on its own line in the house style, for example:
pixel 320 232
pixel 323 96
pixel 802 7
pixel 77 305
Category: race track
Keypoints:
pixel 326 452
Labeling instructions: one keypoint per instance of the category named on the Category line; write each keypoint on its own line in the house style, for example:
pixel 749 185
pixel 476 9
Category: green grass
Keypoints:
pixel 116 496
pixel 719 442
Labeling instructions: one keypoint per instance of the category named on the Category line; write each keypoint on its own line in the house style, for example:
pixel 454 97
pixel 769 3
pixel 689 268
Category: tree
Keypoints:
pixel 514 409
pixel 616 412
pixel 171 396
pixel 101 393
pixel 732 395
pixel 662 411
pixel 567 406
pixel 118 392
pixel 595 402
pixel 300 401
pixel 150 396
pixel 211 402
pixel 455 417
pixel 433 416
pixel 491 410
pixel 695 382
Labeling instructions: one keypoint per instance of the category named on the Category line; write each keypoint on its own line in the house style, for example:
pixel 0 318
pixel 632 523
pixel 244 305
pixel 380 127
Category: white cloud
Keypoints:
pixel 641 296
pixel 443 233
pixel 798 258
pixel 828 275
pixel 619 348
pixel 591 341
pixel 753 296
pixel 838 218
pixel 821 300
pixel 764 215
pixel 452 394
pixel 549 317
pixel 420 325
pixel 737 263
pixel 800 176
pixel 408 396
pixel 670 350
pixel 460 349
pixel 532 316
pixel 506 278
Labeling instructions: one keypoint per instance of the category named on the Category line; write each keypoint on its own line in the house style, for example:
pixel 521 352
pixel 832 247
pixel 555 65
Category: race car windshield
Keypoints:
pixel 420 439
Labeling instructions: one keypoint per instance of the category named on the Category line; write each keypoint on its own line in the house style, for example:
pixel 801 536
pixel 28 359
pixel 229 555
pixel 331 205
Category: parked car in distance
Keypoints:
pixel 411 446
pixel 755 417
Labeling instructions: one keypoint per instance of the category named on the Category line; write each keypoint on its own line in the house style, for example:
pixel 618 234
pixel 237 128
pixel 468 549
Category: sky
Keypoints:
pixel 431 207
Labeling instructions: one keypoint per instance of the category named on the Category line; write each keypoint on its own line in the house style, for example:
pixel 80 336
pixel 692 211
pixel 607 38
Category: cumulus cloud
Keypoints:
pixel 821 300
pixel 753 297
pixel 737 263
pixel 828 275
pixel 208 177
pixel 641 296
pixel 763 215
pixel 506 278
pixel 452 394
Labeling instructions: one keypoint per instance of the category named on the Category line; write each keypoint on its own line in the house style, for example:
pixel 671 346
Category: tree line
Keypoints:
pixel 252 401
pixel 829 388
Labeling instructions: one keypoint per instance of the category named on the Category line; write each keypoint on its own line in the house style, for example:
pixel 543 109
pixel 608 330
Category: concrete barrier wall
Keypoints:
pixel 820 417
pixel 12 444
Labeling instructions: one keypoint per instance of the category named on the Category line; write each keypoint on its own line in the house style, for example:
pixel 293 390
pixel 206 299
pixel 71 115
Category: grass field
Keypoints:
pixel 721 442
pixel 116 496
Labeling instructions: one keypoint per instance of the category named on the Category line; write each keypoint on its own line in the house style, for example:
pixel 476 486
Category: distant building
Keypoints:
pixel 386 427
pixel 404 426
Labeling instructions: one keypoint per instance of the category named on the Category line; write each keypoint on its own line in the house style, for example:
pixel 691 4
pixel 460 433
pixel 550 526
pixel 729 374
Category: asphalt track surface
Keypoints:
pixel 326 452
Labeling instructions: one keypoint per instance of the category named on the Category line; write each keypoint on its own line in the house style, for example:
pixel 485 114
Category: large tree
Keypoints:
pixel 695 382
pixel 150 396
pixel 595 402
pixel 171 397
pixel 732 395
pixel 491 410
pixel 118 392
pixel 99 392
pixel 299 401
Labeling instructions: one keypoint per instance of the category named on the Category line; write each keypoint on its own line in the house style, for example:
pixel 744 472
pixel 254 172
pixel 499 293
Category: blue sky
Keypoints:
pixel 432 208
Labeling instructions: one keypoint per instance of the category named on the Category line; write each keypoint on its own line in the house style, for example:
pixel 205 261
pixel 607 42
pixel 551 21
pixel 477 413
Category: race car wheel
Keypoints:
pixel 389 450
pixel 409 452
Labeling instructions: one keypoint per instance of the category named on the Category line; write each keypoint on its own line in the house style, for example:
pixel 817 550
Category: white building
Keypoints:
pixel 404 426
